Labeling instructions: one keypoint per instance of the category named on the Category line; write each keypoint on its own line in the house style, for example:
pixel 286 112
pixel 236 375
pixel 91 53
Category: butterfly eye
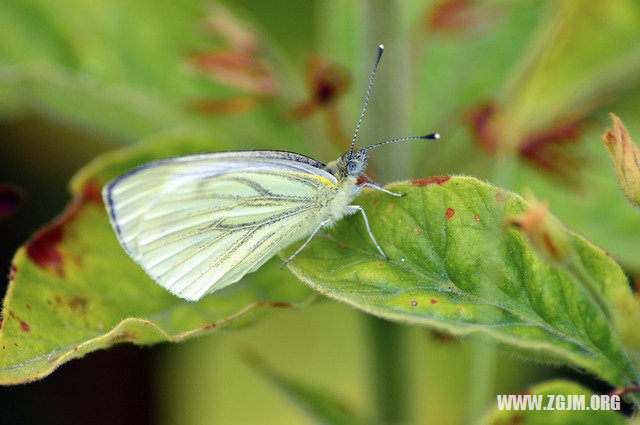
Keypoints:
pixel 352 167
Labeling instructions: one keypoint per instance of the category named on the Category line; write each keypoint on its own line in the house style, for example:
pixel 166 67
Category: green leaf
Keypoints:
pixel 125 70
pixel 319 405
pixel 457 268
pixel 549 391
pixel 73 289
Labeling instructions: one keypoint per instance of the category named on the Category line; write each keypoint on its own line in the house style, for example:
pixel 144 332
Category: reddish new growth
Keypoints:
pixel 326 82
pixel 546 239
pixel 450 212
pixel 235 105
pixel 239 69
pixel 438 180
pixel 549 149
pixel 455 16
pixel 42 249
pixel 450 16
pixel 482 122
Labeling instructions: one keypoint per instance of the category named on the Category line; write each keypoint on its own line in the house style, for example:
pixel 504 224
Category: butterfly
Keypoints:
pixel 199 223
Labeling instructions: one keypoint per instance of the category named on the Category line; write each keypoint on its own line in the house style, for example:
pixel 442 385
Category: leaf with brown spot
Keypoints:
pixel 57 308
pixel 449 273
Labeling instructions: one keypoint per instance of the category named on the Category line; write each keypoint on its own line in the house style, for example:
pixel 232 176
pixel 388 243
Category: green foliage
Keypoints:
pixel 543 74
pixel 557 416
pixel 456 267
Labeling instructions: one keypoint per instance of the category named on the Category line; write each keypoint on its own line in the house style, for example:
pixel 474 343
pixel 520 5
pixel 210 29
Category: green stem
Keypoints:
pixel 388 361
pixel 483 363
pixel 481 379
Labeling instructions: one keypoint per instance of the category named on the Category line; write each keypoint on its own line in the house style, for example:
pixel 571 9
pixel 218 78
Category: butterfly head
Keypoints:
pixel 348 165
pixel 354 163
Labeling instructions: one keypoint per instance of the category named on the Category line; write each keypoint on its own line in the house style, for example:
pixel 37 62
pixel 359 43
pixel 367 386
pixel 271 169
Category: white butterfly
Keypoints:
pixel 198 223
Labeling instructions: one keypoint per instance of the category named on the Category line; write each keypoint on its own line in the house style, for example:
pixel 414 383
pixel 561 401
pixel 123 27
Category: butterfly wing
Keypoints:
pixel 199 223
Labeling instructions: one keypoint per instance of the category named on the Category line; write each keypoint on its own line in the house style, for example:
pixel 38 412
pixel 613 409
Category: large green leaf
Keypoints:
pixel 456 267
pixel 127 70
pixel 560 404
pixel 73 289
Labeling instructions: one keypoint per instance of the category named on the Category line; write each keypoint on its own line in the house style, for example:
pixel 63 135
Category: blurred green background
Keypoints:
pixel 519 90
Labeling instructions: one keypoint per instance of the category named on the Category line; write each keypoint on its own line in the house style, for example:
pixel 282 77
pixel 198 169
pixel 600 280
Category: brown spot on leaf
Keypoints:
pixel 417 231
pixel 476 218
pixel 459 308
pixel 499 197
pixel 12 272
pixel 374 202
pixel 209 326
pixel 24 326
pixel 78 305
pixel 449 213
pixel 124 335
pixel 414 303
pixel 438 180
pixel 28 306
pixel 42 248
pixel 434 301
pixel 11 198
pixel 343 245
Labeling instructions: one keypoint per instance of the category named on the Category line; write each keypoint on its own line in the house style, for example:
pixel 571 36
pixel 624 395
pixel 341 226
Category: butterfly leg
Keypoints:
pixel 356 208
pixel 376 187
pixel 304 244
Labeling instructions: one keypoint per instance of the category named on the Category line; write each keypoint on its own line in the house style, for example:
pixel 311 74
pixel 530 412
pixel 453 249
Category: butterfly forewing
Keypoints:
pixel 199 223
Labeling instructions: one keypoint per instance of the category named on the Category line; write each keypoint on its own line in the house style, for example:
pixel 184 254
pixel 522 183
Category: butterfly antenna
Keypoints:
pixel 433 136
pixel 366 99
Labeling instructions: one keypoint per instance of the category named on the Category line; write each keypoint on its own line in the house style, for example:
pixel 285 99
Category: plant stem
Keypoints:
pixel 388 371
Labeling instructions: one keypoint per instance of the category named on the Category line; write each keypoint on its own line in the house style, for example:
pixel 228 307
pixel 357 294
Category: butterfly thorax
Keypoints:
pixel 346 170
